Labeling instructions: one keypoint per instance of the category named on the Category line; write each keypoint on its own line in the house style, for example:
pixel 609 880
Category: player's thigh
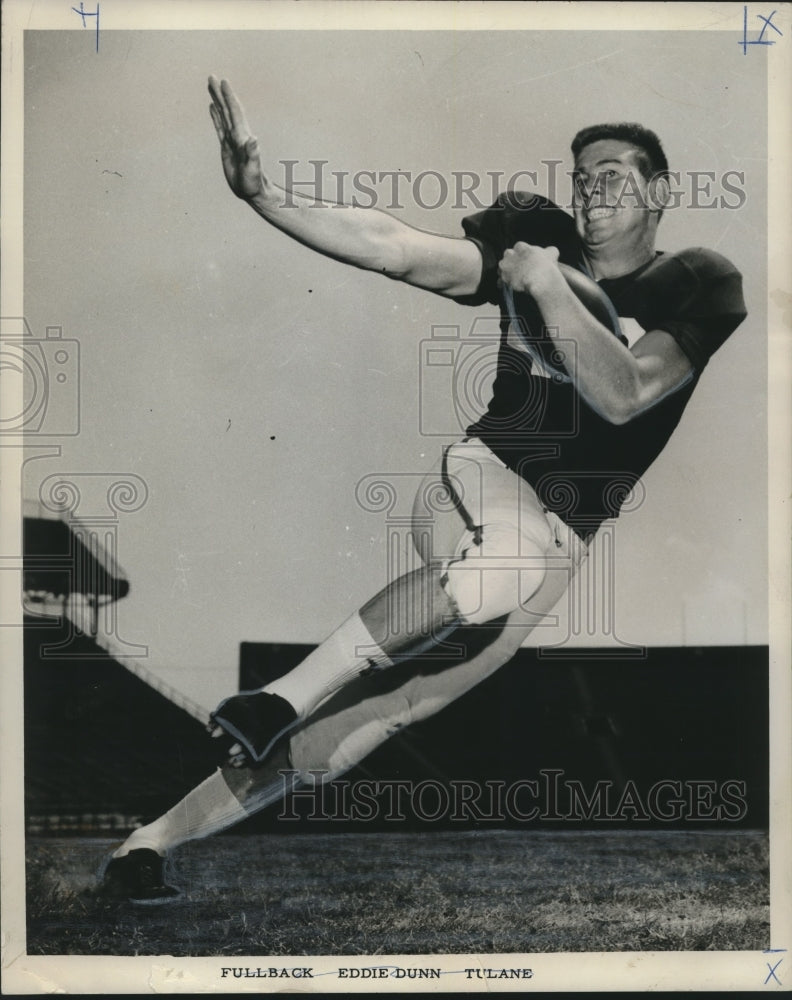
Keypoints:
pixel 471 486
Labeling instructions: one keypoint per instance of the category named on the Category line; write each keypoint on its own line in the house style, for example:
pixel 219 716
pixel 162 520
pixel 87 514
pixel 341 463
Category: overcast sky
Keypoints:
pixel 253 385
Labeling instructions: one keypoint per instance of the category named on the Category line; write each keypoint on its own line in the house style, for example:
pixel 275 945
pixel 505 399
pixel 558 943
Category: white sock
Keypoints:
pixel 207 809
pixel 344 655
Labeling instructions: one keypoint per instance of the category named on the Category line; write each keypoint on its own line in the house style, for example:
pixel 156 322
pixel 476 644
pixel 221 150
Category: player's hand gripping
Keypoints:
pixel 238 148
pixel 526 268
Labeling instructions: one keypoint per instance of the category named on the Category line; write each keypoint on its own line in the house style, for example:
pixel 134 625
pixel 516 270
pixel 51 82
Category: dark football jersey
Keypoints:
pixel 581 466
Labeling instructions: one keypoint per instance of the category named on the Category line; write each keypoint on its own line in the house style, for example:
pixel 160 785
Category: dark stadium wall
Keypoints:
pixel 676 738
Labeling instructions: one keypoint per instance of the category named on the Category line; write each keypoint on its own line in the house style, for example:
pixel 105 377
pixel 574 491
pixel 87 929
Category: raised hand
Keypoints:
pixel 238 147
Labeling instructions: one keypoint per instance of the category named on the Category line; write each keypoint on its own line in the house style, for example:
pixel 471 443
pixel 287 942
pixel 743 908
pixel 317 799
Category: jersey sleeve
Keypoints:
pixel 702 302
pixel 514 216
pixel 486 230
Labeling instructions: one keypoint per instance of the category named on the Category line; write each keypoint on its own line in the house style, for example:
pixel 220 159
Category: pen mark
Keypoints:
pixel 772 973
pixel 767 22
pixel 82 13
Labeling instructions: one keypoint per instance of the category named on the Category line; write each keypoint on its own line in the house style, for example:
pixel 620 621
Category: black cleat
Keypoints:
pixel 256 720
pixel 139 877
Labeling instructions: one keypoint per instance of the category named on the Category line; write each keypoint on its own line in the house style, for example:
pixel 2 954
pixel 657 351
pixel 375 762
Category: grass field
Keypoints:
pixel 416 893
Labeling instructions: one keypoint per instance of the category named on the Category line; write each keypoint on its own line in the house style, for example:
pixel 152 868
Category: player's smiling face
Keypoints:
pixel 611 196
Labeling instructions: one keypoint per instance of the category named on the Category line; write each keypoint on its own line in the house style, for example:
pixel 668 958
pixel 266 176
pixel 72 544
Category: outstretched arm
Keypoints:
pixel 617 381
pixel 365 237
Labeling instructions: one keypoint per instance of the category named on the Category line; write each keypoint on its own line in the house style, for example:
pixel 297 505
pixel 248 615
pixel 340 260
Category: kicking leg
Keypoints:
pixel 484 558
pixel 370 640
pixel 343 731
pixel 339 735
pixel 366 713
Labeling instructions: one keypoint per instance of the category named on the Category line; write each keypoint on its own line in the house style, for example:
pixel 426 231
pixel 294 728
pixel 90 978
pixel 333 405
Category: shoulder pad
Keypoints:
pixel 705 263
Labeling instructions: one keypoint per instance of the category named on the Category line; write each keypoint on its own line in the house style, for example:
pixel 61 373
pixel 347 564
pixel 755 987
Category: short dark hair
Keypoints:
pixel 652 160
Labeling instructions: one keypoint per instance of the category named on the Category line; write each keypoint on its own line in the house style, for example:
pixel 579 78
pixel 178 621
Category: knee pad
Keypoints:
pixel 481 595
pixel 496 577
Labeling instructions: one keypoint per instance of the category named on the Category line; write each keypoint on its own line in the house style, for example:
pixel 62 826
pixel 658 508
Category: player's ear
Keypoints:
pixel 659 193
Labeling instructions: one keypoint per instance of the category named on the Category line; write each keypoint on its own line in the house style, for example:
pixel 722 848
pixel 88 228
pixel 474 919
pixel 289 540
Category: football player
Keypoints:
pixel 603 341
